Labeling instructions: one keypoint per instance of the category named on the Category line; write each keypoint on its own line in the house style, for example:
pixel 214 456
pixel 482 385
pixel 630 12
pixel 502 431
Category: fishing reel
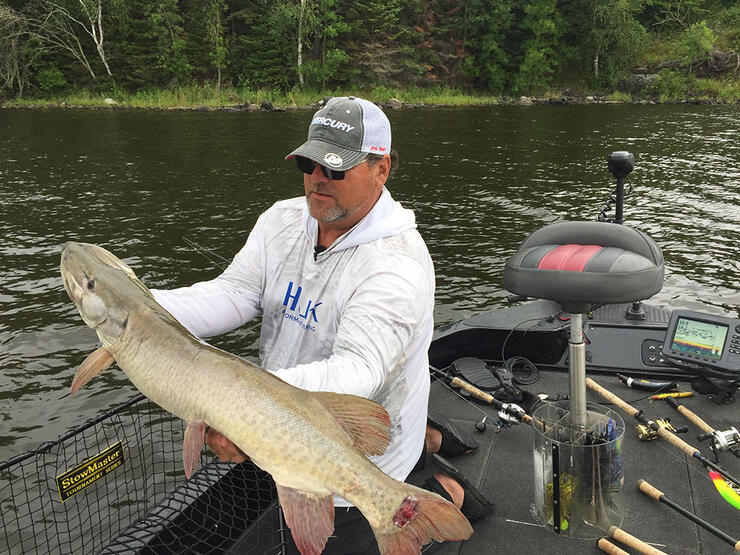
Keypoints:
pixel 646 433
pixel 723 440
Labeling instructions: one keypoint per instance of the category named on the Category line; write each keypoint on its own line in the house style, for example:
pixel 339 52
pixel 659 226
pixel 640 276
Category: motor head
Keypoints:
pixel 621 163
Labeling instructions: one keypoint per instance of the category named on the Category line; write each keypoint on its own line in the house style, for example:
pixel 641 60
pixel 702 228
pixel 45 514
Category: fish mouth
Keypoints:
pixel 70 271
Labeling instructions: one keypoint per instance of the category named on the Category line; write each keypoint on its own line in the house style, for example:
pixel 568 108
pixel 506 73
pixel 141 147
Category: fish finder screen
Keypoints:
pixel 699 338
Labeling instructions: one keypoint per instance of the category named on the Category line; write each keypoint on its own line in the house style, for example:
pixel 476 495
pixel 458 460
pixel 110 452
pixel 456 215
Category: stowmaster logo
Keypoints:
pixel 294 311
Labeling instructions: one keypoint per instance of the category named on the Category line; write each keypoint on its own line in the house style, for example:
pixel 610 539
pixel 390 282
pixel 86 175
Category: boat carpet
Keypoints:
pixel 503 468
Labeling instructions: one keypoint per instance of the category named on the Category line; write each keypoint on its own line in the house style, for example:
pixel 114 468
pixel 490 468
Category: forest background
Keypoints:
pixel 213 52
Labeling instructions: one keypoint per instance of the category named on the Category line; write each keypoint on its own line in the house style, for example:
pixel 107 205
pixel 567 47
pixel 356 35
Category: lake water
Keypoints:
pixel 148 185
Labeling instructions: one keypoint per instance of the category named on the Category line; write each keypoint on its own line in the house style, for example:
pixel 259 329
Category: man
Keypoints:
pixel 345 286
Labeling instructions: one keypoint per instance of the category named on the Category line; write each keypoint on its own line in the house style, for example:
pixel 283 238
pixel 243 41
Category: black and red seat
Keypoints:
pixel 582 264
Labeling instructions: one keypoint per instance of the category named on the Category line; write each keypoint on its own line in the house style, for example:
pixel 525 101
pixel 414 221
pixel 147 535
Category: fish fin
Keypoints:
pixel 421 517
pixel 310 517
pixel 366 422
pixel 195 434
pixel 94 364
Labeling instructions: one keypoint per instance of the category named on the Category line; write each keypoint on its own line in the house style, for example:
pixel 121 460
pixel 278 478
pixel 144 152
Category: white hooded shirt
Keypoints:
pixel 356 318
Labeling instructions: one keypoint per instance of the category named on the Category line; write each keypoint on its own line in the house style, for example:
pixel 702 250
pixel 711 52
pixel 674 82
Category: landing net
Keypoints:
pixel 143 504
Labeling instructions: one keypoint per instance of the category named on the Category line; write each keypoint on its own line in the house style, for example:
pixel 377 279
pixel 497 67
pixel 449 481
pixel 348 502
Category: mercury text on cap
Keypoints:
pixel 321 120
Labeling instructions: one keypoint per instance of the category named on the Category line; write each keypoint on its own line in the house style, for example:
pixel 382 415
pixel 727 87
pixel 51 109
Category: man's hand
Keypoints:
pixel 225 449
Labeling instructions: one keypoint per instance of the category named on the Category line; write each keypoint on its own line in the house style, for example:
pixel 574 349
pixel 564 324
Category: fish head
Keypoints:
pixel 103 288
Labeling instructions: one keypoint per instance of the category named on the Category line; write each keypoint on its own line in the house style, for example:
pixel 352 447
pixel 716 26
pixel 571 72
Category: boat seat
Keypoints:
pixel 582 264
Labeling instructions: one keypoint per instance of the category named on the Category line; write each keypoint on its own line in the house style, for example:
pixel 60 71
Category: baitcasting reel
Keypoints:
pixel 724 440
pixel 646 433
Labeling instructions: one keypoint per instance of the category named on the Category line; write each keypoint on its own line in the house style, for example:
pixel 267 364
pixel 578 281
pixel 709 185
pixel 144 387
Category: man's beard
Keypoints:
pixel 332 215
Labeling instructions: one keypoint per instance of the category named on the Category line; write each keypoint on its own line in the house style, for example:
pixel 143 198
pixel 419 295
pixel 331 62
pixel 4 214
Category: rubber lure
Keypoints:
pixel 647 385
pixel 724 489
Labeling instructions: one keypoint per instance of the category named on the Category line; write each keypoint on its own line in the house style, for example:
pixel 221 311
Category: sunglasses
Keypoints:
pixel 307 165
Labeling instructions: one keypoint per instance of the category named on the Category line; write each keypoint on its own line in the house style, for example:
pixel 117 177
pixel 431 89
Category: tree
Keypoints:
pixel 486 27
pixel 214 34
pixel 93 11
pixel 543 26
pixel 168 34
pixel 607 34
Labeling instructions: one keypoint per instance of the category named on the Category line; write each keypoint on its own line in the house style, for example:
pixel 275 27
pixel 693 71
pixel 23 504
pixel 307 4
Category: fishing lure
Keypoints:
pixel 727 492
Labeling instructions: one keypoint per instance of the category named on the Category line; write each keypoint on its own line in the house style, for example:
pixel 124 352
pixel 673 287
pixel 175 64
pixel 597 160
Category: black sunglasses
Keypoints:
pixel 306 165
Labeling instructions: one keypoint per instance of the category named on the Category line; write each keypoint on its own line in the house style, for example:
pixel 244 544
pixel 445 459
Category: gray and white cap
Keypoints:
pixel 344 131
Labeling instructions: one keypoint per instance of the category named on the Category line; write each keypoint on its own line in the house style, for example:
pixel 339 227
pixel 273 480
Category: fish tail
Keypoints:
pixel 421 517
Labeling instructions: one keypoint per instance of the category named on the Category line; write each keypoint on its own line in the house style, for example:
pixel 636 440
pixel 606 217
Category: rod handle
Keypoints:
pixel 695 420
pixel 474 391
pixel 609 396
pixel 608 547
pixel 649 490
pixel 677 442
pixel 633 542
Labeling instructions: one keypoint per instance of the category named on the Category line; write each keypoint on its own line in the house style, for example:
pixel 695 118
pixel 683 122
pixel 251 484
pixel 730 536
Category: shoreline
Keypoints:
pixel 391 104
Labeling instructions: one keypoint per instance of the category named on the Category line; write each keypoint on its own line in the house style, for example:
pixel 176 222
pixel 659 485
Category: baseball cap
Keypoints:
pixel 344 131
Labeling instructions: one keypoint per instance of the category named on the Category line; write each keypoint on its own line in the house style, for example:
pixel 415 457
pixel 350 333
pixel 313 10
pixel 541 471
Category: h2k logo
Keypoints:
pixel 291 304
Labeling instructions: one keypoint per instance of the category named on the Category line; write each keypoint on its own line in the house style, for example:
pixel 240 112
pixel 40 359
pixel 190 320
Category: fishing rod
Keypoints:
pixel 661 431
pixel 509 413
pixel 728 440
pixel 631 541
pixel 608 547
pixel 658 495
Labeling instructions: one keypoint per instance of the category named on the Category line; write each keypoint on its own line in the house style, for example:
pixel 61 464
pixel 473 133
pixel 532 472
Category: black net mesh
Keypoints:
pixel 143 506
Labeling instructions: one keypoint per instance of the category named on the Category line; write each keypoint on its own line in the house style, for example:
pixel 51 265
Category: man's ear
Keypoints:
pixel 383 169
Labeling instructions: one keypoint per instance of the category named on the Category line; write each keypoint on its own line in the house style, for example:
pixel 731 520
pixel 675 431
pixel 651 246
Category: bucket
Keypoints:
pixel 578 474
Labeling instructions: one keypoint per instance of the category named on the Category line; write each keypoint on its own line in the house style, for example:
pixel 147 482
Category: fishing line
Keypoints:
pixel 205 252
pixel 468 401
pixel 530 328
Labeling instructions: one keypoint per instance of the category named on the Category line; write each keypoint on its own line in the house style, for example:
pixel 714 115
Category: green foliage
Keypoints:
pixel 722 90
pixel 168 34
pixel 611 37
pixel 499 46
pixel 540 51
pixel 669 86
pixel 619 96
pixel 696 42
pixel 727 22
pixel 486 24
pixel 214 35
pixel 50 80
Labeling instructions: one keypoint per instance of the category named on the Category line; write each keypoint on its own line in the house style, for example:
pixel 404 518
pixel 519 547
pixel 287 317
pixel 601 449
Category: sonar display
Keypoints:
pixel 699 338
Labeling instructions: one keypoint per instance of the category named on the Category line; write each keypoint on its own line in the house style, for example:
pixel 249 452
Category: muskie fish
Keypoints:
pixel 313 444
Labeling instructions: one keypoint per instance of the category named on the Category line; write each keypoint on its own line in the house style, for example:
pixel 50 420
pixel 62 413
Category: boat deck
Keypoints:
pixel 502 467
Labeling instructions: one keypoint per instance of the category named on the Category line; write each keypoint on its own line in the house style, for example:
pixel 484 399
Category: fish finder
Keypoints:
pixel 703 339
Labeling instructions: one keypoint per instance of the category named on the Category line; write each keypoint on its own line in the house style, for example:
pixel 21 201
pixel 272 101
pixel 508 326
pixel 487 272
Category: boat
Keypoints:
pixel 115 484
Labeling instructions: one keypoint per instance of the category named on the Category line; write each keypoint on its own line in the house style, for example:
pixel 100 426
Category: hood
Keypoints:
pixel 386 218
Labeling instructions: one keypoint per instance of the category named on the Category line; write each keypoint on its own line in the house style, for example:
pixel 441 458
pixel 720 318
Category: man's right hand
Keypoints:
pixel 224 448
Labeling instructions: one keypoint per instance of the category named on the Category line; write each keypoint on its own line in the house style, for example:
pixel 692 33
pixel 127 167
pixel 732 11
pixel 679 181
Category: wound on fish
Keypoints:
pixel 407 512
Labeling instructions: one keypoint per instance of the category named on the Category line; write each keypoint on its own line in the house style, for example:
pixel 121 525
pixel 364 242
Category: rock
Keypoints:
pixel 636 82
pixel 266 106
pixel 110 102
pixel 253 108
pixel 394 104
pixel 524 101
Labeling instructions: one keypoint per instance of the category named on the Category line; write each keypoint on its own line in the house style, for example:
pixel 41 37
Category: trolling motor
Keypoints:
pixel 621 163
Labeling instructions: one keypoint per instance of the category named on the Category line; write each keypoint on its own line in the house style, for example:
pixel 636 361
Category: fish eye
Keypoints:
pixel 91 284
